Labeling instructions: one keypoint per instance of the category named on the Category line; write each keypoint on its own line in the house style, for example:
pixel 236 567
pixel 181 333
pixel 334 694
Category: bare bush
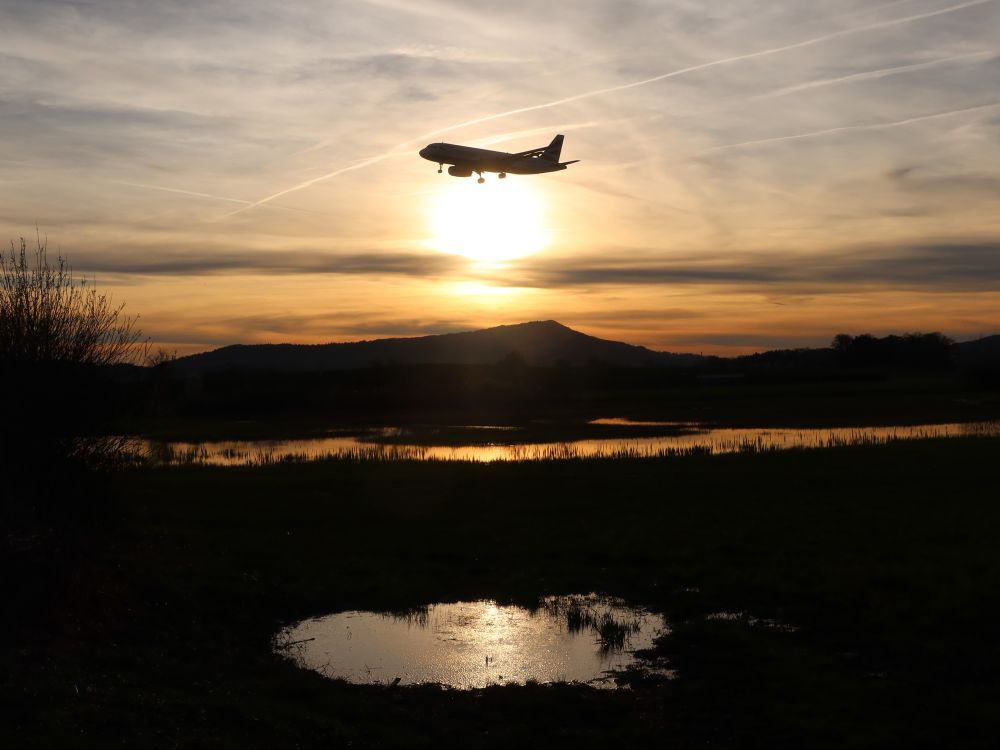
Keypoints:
pixel 60 339
pixel 47 316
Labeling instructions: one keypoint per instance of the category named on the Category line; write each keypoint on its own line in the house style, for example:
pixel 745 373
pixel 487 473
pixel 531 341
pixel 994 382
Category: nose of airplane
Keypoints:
pixel 425 151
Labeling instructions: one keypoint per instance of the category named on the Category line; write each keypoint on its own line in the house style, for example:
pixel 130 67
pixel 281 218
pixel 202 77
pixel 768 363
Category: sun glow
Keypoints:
pixel 497 221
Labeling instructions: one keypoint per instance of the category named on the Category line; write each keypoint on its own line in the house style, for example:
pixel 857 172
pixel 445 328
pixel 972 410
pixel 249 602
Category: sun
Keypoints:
pixel 490 223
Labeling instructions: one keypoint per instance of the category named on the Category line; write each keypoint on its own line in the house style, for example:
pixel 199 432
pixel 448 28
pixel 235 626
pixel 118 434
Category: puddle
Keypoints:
pixel 467 645
pixel 751 621
pixel 693 438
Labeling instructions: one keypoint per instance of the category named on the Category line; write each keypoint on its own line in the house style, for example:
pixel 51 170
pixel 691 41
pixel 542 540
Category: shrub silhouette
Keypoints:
pixel 60 340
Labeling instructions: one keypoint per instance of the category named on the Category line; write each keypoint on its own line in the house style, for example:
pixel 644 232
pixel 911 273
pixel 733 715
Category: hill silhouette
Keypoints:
pixel 981 351
pixel 540 343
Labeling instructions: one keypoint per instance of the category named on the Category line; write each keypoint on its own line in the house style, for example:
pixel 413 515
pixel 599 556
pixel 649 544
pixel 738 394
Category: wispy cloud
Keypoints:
pixel 871 75
pixel 944 265
pixel 613 89
pixel 704 66
pixel 179 191
pixel 852 128
pixel 548 130
pixel 210 260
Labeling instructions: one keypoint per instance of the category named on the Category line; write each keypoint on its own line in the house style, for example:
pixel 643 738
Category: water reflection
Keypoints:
pixel 585 639
pixel 504 445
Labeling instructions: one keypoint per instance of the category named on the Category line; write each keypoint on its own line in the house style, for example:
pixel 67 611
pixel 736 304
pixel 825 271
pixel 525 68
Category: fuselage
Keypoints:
pixel 468 160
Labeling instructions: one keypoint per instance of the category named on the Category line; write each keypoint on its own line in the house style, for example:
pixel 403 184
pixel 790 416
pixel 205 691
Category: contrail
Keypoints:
pixel 846 128
pixel 394 151
pixel 320 178
pixel 178 190
pixel 201 195
pixel 547 130
pixel 329 141
pixel 614 89
pixel 870 74
pixel 873 9
pixel 703 66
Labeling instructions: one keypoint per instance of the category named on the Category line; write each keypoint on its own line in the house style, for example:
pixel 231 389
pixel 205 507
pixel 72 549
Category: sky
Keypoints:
pixel 752 175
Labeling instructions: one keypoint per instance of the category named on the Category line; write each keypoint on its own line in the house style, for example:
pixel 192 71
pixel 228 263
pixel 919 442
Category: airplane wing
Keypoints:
pixel 533 152
pixel 499 157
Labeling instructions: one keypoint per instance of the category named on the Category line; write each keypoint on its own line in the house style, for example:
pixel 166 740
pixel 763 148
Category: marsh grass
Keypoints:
pixel 418 616
pixel 269 453
pixel 610 620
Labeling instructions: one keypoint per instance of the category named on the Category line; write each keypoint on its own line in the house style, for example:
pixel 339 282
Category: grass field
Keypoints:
pixel 148 624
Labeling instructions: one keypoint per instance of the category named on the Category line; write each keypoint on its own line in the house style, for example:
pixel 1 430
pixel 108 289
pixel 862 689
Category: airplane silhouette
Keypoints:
pixel 466 160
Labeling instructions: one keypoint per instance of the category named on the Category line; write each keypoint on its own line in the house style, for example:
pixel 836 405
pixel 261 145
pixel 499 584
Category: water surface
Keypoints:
pixel 584 639
pixel 503 444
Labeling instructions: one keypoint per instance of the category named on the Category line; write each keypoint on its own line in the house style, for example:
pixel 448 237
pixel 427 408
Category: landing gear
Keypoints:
pixel 481 179
pixel 440 168
pixel 502 175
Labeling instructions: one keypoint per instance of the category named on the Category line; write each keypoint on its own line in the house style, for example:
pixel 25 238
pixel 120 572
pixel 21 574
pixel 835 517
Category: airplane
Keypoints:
pixel 466 160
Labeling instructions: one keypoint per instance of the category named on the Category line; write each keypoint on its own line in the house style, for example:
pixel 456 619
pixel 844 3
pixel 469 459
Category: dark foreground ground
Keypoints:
pixel 148 623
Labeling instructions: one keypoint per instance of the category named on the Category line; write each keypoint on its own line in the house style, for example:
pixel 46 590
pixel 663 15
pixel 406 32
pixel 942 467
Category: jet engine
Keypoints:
pixel 458 171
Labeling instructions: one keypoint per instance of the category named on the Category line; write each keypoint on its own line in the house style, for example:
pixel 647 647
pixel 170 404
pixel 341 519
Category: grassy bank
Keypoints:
pixel 151 624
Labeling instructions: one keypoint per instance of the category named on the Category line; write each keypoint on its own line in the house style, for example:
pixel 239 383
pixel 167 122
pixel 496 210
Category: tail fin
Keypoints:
pixel 552 151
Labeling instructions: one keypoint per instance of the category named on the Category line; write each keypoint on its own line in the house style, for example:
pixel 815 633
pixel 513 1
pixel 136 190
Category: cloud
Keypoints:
pixel 361 324
pixel 854 128
pixel 321 327
pixel 923 181
pixel 941 266
pixel 873 75
pixel 141 260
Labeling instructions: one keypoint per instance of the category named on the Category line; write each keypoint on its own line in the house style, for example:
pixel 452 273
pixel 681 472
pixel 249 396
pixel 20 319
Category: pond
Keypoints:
pixel 586 639
pixel 486 443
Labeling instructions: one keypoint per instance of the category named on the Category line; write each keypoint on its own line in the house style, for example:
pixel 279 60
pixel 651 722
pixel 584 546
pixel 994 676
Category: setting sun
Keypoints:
pixel 489 223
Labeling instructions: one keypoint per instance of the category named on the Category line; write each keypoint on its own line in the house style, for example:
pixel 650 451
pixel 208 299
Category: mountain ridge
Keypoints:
pixel 537 343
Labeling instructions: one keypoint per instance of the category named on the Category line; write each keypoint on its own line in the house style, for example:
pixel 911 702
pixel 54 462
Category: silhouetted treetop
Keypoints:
pixel 918 351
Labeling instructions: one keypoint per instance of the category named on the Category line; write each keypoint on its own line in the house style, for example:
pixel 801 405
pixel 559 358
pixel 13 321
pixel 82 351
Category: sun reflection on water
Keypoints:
pixel 472 644
pixel 505 446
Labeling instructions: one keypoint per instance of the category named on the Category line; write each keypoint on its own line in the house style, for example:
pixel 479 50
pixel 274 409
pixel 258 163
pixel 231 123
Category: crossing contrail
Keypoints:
pixel 180 191
pixel 614 89
pixel 703 66
pixel 547 130
pixel 871 74
pixel 196 194
pixel 308 183
pixel 847 128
